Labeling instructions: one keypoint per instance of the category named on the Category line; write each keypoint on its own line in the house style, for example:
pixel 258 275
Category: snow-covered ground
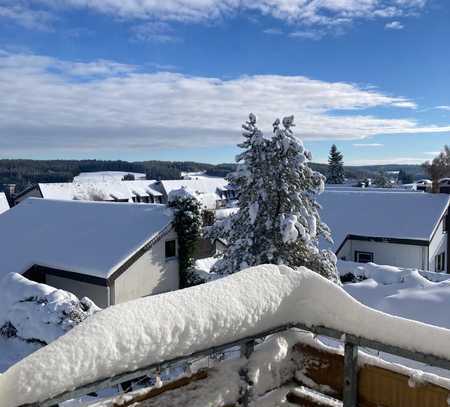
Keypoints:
pixel 33 315
pixel 107 176
pixel 422 296
pixel 122 338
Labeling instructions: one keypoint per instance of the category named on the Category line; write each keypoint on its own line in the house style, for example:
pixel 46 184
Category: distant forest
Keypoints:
pixel 27 172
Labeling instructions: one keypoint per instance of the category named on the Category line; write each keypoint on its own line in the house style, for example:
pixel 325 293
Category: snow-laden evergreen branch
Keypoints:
pixel 278 221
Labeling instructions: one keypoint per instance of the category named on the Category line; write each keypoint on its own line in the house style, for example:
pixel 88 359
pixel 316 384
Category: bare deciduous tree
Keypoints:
pixel 438 168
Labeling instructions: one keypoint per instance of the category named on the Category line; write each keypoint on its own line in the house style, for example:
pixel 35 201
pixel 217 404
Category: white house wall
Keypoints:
pixel 438 245
pixel 393 254
pixel 150 274
pixel 96 293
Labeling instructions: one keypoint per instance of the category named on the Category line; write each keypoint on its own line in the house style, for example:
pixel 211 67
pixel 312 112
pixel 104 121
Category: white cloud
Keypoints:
pixel 104 104
pixel 307 34
pixel 155 31
pixel 97 68
pixel 388 160
pixel 330 13
pixel 313 11
pixel 367 145
pixel 394 25
pixel 273 31
pixel 443 107
pixel 25 16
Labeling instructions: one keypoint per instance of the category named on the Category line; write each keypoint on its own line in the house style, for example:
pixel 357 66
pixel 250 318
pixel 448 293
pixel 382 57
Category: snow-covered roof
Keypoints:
pixel 206 190
pixel 4 205
pixel 98 190
pixel 382 214
pixel 424 181
pixel 107 175
pixel 86 190
pixel 93 238
pixel 196 175
pixel 142 188
pixel 351 188
pixel 203 185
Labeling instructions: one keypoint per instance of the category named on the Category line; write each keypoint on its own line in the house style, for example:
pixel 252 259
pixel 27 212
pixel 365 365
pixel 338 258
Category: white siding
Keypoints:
pixel 393 254
pixel 150 274
pixel 96 293
pixel 438 245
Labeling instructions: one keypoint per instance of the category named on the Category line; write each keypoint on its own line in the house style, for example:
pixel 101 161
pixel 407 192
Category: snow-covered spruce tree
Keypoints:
pixel 278 220
pixel 246 231
pixel 187 224
pixel 335 166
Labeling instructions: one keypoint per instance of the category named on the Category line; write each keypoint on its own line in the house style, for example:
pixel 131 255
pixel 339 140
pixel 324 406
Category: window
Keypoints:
pixel 439 264
pixel 170 248
pixel 363 257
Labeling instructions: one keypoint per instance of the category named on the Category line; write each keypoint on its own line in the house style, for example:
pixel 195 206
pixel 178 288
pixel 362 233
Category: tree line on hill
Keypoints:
pixel 435 169
pixel 24 173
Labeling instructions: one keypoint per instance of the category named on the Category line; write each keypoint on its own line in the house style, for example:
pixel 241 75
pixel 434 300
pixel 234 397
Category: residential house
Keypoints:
pixel 108 252
pixel 423 185
pixel 94 190
pixel 394 228
pixel 213 192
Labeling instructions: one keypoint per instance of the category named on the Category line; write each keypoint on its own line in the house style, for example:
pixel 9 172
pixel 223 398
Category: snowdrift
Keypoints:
pixel 37 312
pixel 152 329
pixel 408 293
pixel 385 274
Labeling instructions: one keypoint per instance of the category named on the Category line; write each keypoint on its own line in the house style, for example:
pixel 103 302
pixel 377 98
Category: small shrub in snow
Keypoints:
pixel 278 220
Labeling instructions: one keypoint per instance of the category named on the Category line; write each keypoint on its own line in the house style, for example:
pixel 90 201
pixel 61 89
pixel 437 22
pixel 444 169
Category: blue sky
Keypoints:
pixel 174 80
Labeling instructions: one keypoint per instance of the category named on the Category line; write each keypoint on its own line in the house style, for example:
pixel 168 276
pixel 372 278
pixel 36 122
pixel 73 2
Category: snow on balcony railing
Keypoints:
pixel 149 331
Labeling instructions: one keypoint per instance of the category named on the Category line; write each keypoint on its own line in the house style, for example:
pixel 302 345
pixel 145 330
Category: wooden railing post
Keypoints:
pixel 350 375
pixel 247 349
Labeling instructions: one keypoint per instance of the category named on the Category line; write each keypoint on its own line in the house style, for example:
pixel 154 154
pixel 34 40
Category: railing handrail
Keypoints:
pixel 352 343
